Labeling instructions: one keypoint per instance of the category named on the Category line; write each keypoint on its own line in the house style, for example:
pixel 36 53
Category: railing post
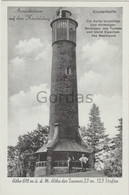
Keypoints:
pixel 49 163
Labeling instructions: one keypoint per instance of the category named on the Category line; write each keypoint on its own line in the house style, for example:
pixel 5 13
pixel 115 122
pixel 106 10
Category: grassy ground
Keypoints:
pixel 88 173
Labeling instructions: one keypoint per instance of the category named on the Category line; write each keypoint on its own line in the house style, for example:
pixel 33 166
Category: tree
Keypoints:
pixel 13 169
pixel 95 135
pixel 21 160
pixel 113 165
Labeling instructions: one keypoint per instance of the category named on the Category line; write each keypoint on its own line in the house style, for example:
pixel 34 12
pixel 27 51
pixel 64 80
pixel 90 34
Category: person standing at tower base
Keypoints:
pixel 70 164
pixel 83 161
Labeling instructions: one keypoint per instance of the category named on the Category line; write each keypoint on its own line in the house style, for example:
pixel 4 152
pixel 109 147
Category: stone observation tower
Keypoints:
pixel 64 138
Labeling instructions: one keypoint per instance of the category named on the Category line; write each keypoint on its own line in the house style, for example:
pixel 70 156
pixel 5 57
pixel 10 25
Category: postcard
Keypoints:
pixel 65 98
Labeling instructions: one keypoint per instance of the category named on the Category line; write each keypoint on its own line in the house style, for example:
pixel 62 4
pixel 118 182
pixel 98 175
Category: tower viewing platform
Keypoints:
pixel 64 27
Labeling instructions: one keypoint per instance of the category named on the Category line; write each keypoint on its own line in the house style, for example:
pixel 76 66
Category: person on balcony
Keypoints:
pixel 83 161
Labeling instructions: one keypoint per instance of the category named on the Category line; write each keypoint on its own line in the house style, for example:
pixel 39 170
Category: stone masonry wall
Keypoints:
pixel 64 109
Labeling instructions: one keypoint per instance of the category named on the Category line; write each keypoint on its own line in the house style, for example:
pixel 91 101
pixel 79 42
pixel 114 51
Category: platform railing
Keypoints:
pixel 59 163
pixel 41 164
pixel 72 17
pixel 76 164
pixel 62 163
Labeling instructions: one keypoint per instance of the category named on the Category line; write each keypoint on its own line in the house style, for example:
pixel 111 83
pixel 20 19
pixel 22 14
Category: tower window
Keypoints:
pixel 68 71
pixel 62 25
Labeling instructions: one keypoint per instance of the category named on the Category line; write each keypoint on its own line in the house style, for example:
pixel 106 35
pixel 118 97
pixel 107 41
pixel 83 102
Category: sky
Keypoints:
pixel 99 68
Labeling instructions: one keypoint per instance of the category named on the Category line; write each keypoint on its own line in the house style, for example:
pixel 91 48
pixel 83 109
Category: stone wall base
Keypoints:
pixel 60 170
pixel 63 170
pixel 40 171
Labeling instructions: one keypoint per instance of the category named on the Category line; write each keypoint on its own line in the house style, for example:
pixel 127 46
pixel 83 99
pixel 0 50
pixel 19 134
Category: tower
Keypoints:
pixel 64 138
pixel 63 106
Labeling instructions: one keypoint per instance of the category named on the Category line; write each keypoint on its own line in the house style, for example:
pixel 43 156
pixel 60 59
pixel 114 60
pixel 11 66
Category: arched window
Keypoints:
pixel 68 71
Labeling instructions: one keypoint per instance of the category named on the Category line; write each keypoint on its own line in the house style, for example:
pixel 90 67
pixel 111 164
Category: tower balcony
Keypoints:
pixel 63 14
pixel 64 27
